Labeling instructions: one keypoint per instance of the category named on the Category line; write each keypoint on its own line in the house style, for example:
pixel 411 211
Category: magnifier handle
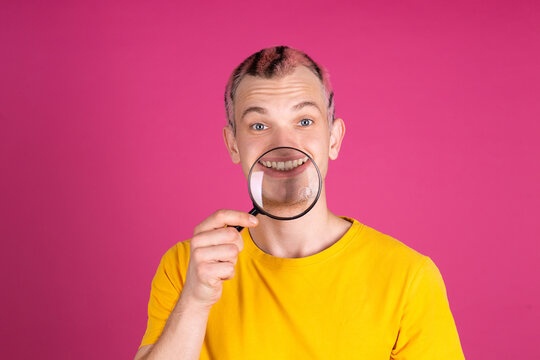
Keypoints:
pixel 253 212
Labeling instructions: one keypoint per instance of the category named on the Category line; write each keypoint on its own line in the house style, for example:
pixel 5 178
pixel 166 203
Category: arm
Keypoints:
pixel 142 353
pixel 182 335
pixel 177 311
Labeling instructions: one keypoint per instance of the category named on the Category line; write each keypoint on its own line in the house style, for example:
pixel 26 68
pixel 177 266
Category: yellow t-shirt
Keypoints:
pixel 368 296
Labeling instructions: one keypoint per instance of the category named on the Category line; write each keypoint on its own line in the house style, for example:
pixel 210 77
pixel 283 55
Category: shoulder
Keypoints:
pixel 385 247
pixel 177 253
pixel 388 256
pixel 173 264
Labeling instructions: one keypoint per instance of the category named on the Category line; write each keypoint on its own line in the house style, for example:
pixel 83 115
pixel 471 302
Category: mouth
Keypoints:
pixel 287 165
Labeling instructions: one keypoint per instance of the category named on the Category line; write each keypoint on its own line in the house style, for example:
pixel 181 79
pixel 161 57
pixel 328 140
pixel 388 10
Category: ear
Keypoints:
pixel 336 137
pixel 230 142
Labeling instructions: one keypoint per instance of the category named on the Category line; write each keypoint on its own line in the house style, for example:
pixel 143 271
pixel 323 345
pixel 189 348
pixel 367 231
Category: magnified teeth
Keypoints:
pixel 284 165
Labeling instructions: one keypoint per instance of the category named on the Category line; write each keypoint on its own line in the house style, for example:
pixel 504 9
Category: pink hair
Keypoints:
pixel 275 62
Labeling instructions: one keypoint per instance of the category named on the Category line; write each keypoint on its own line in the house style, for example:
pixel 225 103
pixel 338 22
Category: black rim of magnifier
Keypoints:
pixel 260 210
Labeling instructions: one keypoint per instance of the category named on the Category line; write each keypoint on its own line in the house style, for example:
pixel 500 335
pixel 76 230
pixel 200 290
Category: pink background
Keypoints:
pixel 111 152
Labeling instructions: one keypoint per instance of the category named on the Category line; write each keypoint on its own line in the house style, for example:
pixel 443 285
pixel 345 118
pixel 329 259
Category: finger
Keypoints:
pixel 224 217
pixel 227 235
pixel 213 274
pixel 216 253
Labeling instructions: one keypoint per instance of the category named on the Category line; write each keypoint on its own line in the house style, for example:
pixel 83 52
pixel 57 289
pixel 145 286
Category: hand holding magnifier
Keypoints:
pixel 284 183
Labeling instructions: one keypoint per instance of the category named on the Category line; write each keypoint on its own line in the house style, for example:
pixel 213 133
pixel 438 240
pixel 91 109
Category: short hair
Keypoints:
pixel 276 62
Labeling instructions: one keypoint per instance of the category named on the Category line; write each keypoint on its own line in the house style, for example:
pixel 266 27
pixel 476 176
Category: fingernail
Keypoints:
pixel 253 219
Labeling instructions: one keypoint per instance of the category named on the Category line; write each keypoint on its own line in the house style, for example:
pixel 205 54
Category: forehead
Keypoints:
pixel 300 84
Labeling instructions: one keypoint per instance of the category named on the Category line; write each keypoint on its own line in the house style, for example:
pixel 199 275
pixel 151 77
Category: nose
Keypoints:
pixel 282 136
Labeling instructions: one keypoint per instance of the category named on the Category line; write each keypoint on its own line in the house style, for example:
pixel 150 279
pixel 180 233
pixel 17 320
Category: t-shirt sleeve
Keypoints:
pixel 427 328
pixel 164 293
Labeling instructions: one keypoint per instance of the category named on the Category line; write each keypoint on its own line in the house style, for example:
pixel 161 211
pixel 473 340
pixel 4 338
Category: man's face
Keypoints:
pixel 290 111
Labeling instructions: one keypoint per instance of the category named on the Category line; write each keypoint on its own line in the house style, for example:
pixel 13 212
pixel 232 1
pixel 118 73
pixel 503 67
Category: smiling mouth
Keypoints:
pixel 284 165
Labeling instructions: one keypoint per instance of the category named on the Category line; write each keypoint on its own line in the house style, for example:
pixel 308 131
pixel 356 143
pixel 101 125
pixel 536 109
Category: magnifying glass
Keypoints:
pixel 284 183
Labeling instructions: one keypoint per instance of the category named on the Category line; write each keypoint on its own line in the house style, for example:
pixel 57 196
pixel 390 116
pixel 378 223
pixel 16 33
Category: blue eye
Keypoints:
pixel 306 122
pixel 259 126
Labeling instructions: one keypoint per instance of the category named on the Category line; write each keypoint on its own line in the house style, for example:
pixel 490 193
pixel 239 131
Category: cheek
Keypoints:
pixel 247 158
pixel 246 167
pixel 323 168
pixel 319 148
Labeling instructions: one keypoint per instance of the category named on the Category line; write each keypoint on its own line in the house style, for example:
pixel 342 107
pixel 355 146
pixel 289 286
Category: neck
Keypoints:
pixel 305 236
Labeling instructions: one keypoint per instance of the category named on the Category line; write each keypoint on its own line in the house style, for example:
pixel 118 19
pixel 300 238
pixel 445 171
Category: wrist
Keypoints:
pixel 191 305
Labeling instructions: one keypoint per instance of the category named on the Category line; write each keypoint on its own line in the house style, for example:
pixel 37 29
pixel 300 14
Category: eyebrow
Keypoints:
pixel 296 107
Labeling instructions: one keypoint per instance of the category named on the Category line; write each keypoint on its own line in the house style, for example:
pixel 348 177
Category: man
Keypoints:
pixel 317 287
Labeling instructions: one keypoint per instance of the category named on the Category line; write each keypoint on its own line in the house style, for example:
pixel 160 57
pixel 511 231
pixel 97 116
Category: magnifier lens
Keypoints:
pixel 284 183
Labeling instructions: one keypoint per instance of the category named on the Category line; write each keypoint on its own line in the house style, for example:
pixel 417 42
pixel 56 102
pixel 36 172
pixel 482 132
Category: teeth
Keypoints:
pixel 284 165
